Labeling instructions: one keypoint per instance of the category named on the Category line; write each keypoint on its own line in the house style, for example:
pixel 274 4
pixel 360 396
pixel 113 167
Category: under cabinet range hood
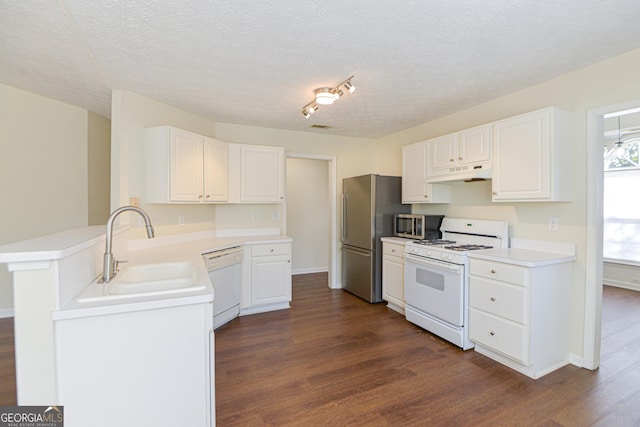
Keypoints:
pixel 466 173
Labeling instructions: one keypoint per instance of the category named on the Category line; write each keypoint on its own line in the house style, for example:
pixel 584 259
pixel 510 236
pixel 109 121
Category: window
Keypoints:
pixel 621 237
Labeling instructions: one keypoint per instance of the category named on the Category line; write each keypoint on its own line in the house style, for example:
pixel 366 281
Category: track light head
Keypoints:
pixel 350 87
pixel 309 109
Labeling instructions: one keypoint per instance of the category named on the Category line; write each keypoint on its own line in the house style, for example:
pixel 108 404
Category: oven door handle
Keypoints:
pixel 432 263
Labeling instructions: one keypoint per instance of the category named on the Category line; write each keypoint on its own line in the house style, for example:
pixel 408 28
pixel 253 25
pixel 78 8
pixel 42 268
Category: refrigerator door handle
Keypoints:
pixel 344 217
pixel 364 253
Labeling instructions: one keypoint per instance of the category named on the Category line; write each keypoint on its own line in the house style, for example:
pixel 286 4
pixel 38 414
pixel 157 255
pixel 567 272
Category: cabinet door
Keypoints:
pixel 270 279
pixel 521 157
pixel 186 159
pixel 215 170
pixel 474 145
pixel 393 280
pixel 444 152
pixel 262 174
pixel 414 173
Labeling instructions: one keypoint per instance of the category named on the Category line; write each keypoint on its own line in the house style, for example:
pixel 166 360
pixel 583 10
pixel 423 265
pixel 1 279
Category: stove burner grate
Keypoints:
pixel 434 242
pixel 467 247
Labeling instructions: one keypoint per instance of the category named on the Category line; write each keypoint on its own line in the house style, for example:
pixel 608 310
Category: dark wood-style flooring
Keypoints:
pixel 333 360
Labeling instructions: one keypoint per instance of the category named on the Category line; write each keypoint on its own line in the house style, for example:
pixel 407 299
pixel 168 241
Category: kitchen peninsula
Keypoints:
pixel 77 354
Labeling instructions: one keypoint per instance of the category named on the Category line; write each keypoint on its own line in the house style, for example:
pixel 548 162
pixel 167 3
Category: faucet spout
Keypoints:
pixel 108 266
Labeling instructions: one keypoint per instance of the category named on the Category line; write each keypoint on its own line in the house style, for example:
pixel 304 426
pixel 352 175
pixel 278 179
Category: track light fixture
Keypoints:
pixel 327 96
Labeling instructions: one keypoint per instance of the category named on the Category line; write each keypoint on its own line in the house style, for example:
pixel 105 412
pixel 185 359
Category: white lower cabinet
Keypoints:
pixel 519 315
pixel 138 368
pixel 393 275
pixel 266 278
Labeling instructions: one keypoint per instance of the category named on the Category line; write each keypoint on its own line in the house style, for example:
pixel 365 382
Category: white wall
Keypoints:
pixel 308 214
pixel 606 83
pixel 43 170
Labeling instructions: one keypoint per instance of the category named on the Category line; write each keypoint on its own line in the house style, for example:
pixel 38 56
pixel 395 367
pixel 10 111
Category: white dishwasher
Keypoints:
pixel 225 272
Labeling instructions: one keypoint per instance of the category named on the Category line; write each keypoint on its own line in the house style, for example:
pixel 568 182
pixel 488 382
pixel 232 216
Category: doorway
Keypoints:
pixel 310 214
pixel 595 230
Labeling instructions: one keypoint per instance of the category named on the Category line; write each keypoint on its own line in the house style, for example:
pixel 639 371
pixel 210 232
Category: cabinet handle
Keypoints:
pixel 492 298
pixel 493 271
pixel 492 333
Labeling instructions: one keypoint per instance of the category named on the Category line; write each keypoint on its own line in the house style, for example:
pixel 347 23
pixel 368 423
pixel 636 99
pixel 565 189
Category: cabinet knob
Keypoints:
pixel 208 196
pixel 492 333
pixel 459 158
pixel 451 160
pixel 495 193
pixel 493 271
pixel 426 196
pixel 492 298
pixel 270 250
pixel 199 196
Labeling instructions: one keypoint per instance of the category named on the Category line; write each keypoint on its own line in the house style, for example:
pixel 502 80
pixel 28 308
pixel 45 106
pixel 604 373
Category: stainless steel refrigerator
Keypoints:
pixel 368 205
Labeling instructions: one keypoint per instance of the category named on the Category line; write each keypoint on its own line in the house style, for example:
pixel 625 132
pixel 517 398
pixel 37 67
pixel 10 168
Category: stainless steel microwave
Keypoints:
pixel 412 226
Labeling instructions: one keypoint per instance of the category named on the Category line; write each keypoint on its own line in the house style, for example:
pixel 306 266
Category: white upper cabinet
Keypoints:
pixel 532 157
pixel 184 167
pixel 257 174
pixel 415 188
pixel 474 145
pixel 444 151
pixel 460 153
pixel 215 170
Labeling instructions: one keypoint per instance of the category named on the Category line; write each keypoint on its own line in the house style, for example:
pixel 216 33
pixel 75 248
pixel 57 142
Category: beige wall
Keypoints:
pixel 308 214
pixel 99 168
pixel 43 170
pixel 606 83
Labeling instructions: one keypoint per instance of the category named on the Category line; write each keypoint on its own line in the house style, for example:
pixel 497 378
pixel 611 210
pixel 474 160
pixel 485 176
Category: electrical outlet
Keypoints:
pixel 553 223
pixel 180 219
pixel 254 217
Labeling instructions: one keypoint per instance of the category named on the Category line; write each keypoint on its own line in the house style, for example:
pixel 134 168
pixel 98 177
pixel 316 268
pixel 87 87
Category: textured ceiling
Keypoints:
pixel 257 62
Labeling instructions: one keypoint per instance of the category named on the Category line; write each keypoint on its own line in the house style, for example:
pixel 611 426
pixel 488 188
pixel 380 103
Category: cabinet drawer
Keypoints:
pixel 499 299
pixel 392 249
pixel 271 249
pixel 500 335
pixel 499 271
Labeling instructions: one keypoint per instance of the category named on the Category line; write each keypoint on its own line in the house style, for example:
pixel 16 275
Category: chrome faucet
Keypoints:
pixel 109 264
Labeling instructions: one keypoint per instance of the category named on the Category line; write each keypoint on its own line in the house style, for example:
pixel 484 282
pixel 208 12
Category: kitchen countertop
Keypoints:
pixel 529 253
pixel 161 250
pixel 188 247
pixel 398 240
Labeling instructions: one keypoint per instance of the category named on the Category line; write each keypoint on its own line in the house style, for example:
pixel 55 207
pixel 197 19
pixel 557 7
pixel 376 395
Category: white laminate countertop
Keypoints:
pixel 398 240
pixel 187 247
pixel 522 257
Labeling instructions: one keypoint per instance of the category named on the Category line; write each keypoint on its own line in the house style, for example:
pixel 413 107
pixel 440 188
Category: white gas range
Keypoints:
pixel 436 276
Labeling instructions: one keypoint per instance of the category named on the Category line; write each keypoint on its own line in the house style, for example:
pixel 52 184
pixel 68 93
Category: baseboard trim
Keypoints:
pixel 310 270
pixel 6 313
pixel 621 284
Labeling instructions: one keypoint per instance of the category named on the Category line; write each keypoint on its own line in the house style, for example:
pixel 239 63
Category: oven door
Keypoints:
pixel 435 288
